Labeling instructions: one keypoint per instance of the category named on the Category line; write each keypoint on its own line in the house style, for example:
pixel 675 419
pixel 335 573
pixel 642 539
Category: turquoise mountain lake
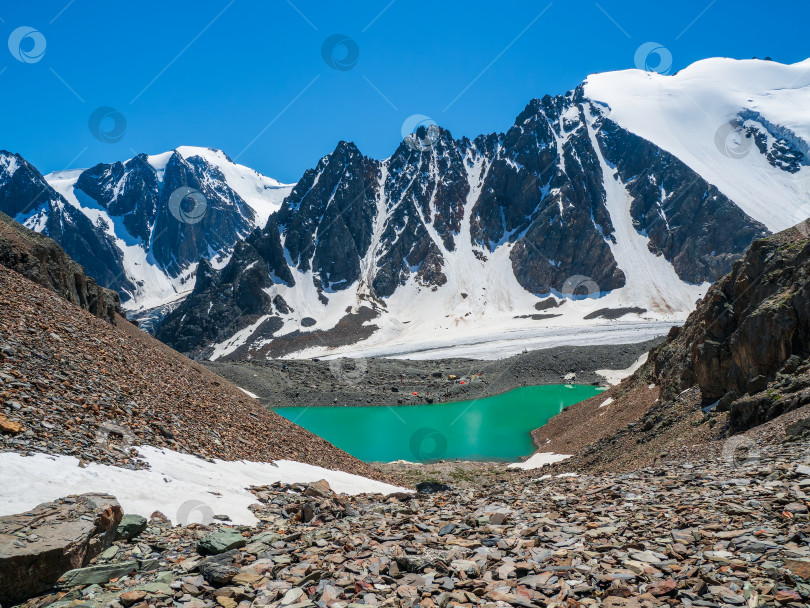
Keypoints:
pixel 492 428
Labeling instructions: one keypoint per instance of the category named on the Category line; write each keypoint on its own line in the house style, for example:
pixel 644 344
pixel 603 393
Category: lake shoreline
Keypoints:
pixel 492 428
pixel 389 382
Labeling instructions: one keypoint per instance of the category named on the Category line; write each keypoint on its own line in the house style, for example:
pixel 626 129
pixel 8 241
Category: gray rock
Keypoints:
pixel 220 542
pixel 95 575
pixel 219 570
pixel 447 529
pixel 130 527
pixel 432 487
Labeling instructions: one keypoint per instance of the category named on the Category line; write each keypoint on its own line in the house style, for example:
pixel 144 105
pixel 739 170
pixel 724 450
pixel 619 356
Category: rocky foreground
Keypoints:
pixel 728 532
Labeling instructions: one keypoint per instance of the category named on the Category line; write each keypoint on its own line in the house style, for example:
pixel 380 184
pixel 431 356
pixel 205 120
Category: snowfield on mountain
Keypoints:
pixel 601 215
pixel 589 220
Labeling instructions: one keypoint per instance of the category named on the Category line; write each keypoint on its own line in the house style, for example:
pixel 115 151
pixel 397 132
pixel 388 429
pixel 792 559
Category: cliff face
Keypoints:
pixel 542 209
pixel 746 344
pixel 43 261
pixel 741 360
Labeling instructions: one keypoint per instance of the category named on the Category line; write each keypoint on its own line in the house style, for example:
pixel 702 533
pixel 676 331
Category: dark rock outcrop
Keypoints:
pixel 129 190
pixel 752 328
pixel 43 261
pixel 698 229
pixel 327 218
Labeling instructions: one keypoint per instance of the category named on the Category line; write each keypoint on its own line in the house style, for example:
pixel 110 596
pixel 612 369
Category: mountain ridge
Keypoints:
pixel 495 190
pixel 591 195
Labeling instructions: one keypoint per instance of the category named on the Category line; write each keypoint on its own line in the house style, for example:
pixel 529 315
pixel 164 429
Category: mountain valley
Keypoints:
pixel 643 238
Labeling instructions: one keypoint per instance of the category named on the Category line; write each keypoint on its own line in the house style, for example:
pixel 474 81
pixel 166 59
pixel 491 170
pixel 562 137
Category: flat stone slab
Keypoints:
pixel 95 575
pixel 220 542
pixel 38 546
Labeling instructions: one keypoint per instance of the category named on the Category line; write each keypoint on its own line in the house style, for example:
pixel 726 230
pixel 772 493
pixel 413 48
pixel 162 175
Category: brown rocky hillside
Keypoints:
pixel 739 363
pixel 73 384
pixel 43 261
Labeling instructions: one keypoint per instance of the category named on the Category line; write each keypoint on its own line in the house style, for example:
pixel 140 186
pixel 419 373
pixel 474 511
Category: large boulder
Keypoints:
pixel 37 547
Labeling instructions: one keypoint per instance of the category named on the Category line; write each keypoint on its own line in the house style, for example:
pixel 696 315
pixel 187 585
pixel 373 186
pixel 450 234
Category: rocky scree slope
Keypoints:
pixel 739 362
pixel 43 261
pixel 73 384
pixel 564 193
pixel 703 533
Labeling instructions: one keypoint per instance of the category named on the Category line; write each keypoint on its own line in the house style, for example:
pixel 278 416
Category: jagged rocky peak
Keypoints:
pixel 129 189
pixel 159 205
pixel 567 201
pixel 23 190
pixel 326 221
pixel 544 192
pixel 152 217
pixel 428 173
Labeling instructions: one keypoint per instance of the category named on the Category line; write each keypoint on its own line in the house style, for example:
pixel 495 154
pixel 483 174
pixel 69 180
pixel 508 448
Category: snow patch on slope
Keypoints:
pixel 615 376
pixel 172 480
pixel 539 460
pixel 9 165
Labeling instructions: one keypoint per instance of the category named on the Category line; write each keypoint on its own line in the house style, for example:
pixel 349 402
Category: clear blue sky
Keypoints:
pixel 224 74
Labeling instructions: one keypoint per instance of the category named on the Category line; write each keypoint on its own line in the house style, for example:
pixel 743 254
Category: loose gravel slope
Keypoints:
pixel 73 384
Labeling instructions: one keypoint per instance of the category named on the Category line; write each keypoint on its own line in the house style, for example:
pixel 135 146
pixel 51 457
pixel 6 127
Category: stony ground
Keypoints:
pixel 348 382
pixel 733 531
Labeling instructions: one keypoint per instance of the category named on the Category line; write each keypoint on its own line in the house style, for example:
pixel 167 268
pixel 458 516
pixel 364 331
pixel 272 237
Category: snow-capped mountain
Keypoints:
pixel 142 225
pixel 27 197
pixel 609 209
